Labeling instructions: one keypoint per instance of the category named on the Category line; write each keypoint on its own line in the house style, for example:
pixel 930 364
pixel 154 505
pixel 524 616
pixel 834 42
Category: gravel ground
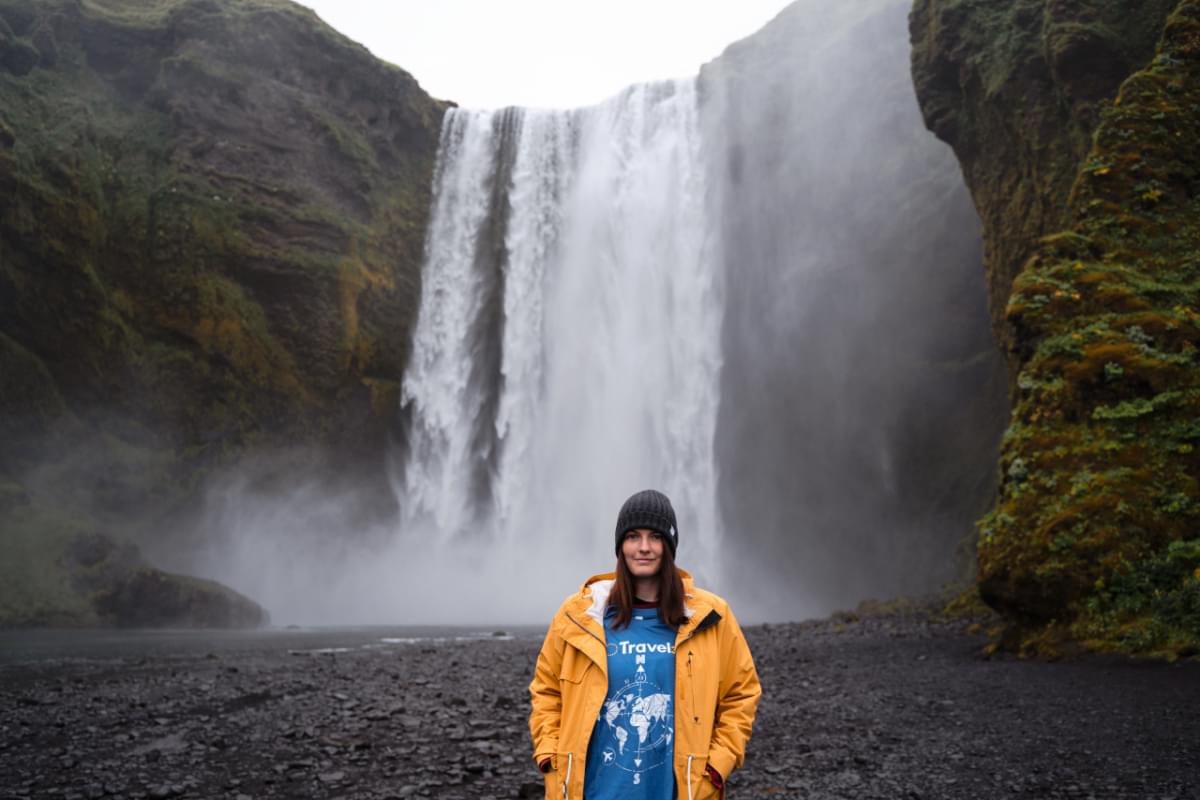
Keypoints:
pixel 886 707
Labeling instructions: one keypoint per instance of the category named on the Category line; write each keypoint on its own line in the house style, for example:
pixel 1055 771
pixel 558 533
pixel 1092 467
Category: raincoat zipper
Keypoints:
pixel 691 699
pixel 691 703
pixel 571 756
pixel 691 689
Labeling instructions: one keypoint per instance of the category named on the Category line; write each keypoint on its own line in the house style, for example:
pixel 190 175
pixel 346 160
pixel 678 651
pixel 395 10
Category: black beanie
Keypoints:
pixel 648 509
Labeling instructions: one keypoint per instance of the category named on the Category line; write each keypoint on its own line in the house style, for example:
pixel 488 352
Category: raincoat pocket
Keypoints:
pixel 700 787
pixel 562 772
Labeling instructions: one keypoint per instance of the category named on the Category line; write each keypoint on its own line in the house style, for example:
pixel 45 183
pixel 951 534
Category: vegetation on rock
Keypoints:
pixel 1016 89
pixel 1094 536
pixel 210 241
pixel 57 572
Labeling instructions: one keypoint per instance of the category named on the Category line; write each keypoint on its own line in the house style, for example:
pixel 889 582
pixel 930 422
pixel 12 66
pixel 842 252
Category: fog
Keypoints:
pixel 862 398
pixel 302 557
pixel 759 291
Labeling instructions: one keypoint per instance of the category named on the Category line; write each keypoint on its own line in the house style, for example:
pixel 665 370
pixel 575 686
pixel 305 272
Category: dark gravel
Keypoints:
pixel 886 707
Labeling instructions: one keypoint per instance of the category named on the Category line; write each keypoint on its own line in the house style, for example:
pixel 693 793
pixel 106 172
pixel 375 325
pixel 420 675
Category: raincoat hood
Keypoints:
pixel 596 589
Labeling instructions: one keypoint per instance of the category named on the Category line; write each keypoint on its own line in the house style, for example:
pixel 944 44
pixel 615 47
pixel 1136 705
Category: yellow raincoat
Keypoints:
pixel 716 690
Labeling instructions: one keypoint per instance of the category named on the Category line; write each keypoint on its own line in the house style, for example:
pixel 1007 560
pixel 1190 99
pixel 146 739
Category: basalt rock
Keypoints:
pixel 122 590
pixel 1087 182
pixel 151 598
pixel 1016 90
pixel 210 240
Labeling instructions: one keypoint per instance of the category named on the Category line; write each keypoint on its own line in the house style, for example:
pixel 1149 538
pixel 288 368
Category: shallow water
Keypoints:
pixel 38 646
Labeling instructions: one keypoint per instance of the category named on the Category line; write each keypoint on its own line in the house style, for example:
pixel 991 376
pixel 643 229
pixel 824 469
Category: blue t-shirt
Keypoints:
pixel 631 751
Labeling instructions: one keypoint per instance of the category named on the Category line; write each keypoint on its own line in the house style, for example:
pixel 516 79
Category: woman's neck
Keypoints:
pixel 646 589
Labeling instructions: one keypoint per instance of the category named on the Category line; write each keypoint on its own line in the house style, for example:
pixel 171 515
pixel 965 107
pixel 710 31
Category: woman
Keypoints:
pixel 644 687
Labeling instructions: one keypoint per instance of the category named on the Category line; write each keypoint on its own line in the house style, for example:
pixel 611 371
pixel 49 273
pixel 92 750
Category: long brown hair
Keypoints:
pixel 670 593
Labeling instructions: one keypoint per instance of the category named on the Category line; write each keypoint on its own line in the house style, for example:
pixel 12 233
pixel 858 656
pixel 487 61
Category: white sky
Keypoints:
pixel 547 53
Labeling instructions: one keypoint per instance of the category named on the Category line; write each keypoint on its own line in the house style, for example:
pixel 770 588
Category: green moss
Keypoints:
pixel 1137 407
pixel 217 315
pixel 155 13
pixel 384 394
pixel 348 142
pixel 1152 605
pixel 147 597
pixel 210 238
pixel 35 587
pixel 1093 534
pixel 1017 89
pixel 58 571
pixel 964 603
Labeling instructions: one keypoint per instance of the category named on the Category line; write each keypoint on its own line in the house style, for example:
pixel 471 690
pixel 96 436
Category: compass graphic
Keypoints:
pixel 638 725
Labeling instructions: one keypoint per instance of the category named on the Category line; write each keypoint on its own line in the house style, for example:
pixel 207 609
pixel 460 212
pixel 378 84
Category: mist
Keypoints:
pixel 862 397
pixel 303 557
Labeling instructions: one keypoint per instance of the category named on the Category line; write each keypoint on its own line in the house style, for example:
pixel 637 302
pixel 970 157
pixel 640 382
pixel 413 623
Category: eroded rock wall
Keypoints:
pixel 211 227
pixel 1016 89
pixel 1090 195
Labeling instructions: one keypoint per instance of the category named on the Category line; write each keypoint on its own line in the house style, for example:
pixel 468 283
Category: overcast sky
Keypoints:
pixel 548 53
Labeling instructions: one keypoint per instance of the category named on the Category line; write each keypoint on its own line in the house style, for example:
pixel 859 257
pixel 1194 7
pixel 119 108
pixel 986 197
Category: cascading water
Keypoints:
pixel 579 241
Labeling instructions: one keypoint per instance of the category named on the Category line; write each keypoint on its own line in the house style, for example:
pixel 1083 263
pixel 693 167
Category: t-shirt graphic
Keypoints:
pixel 631 749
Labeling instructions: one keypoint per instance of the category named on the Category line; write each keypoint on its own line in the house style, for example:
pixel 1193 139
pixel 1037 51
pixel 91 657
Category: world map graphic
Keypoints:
pixel 639 721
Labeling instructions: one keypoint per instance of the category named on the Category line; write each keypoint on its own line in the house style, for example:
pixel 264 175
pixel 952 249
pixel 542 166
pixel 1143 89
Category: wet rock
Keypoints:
pixel 850 713
pixel 151 598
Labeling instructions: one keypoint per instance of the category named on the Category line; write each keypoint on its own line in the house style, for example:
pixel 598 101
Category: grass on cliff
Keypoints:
pixel 35 587
pixel 105 215
pixel 1096 536
pixel 154 13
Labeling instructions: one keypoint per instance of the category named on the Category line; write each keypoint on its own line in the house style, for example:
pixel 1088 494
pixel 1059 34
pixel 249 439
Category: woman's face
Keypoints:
pixel 642 550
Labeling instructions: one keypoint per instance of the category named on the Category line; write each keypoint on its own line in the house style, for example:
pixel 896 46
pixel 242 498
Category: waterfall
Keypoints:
pixel 758 290
pixel 567 346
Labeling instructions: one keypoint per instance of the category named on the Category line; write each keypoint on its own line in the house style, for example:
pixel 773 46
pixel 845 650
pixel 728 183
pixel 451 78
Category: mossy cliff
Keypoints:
pixel 211 222
pixel 1076 127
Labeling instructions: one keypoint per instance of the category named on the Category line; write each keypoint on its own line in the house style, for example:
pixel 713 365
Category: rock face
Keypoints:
pixel 123 591
pixel 1088 184
pixel 210 241
pixel 98 580
pixel 151 598
pixel 1016 90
